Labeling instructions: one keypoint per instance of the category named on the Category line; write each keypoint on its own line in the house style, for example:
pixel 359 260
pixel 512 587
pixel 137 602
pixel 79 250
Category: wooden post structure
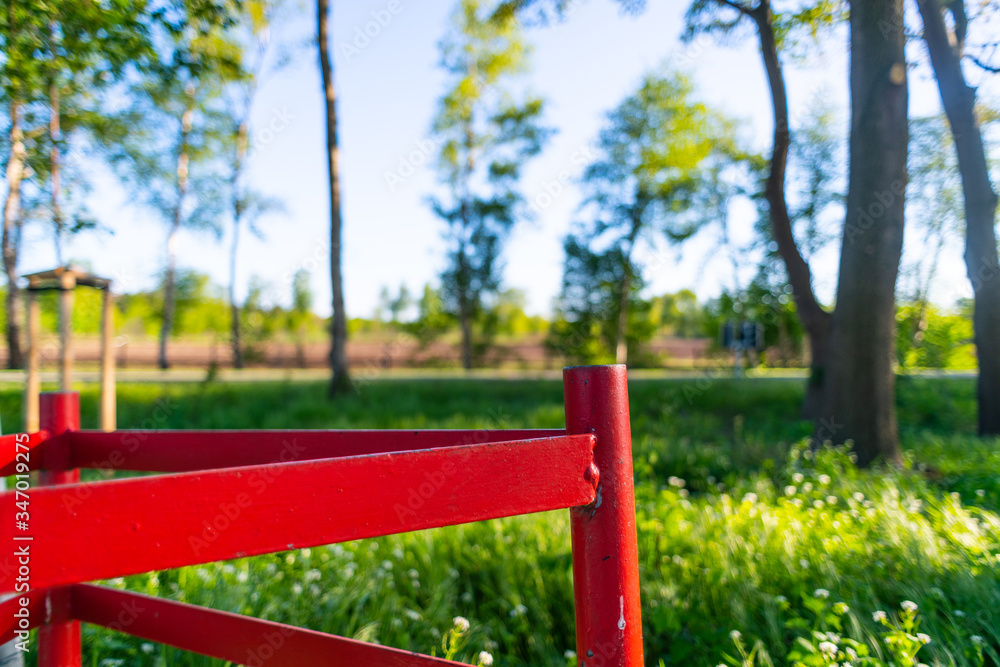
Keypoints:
pixel 34 382
pixel 108 408
pixel 65 280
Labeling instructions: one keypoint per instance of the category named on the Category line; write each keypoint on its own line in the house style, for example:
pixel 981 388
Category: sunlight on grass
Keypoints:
pixel 739 527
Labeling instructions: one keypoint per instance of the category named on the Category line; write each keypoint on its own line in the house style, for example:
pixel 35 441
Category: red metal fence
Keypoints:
pixel 240 493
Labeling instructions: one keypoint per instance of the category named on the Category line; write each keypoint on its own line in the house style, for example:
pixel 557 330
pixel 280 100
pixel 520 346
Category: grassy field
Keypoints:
pixel 741 529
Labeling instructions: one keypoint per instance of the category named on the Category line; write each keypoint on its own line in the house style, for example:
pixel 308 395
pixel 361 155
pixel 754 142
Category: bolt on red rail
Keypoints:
pixel 230 494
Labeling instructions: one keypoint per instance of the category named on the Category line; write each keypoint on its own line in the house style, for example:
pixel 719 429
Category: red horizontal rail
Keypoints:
pixel 185 451
pixel 12 618
pixel 13 448
pixel 98 530
pixel 239 639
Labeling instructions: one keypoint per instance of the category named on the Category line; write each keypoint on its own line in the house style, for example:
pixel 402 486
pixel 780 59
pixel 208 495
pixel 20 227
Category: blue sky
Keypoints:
pixel 387 91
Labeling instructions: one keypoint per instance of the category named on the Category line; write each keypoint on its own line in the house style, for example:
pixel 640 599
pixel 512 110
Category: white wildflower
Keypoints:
pixel 828 647
pixel 824 479
pixel 821 593
pixel 485 658
pixel 461 623
pixel 923 638
pixel 907 605
pixel 879 617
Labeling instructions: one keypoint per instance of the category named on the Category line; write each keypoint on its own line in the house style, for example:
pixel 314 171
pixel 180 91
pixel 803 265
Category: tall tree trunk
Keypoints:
pixel 55 163
pixel 11 237
pixel 464 277
pixel 234 308
pixel 621 335
pixel 465 324
pixel 242 138
pixel 959 100
pixel 341 380
pixel 860 402
pixel 815 319
pixel 167 324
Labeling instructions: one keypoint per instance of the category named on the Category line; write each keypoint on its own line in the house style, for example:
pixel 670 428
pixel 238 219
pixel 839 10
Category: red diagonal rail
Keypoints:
pixel 239 639
pixel 186 451
pixel 16 447
pixel 85 532
pixel 16 616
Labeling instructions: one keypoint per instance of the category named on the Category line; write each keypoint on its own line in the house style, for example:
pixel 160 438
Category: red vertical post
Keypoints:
pixel 605 553
pixel 59 638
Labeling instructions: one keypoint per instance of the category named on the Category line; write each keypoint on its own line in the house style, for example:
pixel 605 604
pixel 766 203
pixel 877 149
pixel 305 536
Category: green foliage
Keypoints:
pixel 432 317
pixel 486 135
pixel 796 26
pixel 665 167
pixel 166 142
pixel 678 314
pixel 932 338
pixel 59 59
pixel 585 329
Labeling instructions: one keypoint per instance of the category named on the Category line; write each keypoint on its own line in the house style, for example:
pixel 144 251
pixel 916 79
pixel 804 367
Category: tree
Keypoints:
pixel 815 203
pixel 54 51
pixel 167 143
pixel 593 320
pixel 933 209
pixel 947 48
pixel 247 204
pixel 772 29
pixel 395 306
pixel 485 136
pixel 340 381
pixel 860 395
pixel 300 313
pixel 665 166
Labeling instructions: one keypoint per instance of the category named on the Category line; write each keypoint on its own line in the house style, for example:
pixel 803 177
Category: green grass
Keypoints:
pixel 724 543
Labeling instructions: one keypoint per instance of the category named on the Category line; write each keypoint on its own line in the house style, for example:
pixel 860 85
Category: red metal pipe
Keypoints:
pixel 186 451
pixel 165 521
pixel 605 553
pixel 239 639
pixel 21 613
pixel 16 447
pixel 59 638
